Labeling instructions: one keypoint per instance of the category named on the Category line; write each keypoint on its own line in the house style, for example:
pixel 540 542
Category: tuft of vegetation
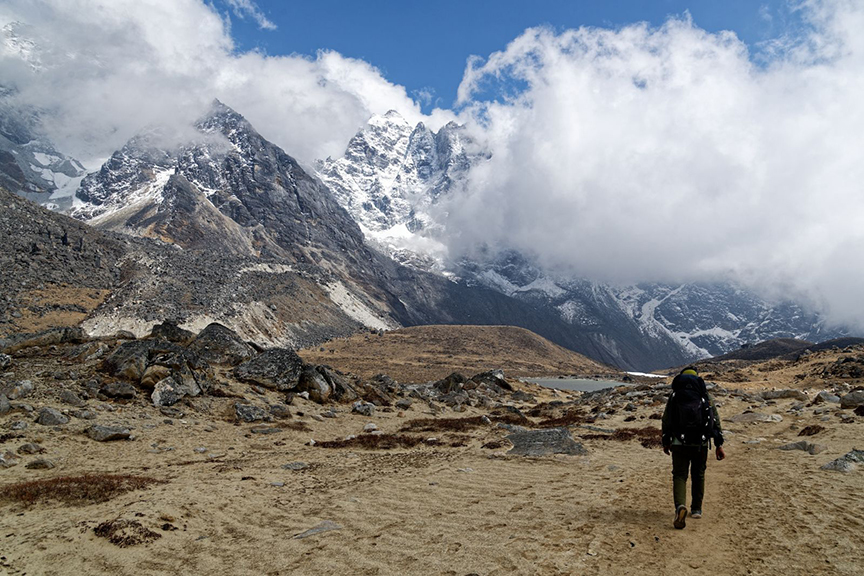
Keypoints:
pixel 649 437
pixel 811 430
pixel 75 489
pixel 380 442
pixel 570 418
pixel 460 424
pixel 124 533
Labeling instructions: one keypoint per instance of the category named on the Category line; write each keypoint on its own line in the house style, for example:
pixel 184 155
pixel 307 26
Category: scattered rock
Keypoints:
pixel 851 400
pixel 51 417
pixel 31 448
pixel 266 430
pixel 84 414
pixel 5 407
pixel 20 390
pixel 404 403
pixel 295 466
pixel 277 368
pixel 452 383
pixel 119 390
pixel 370 427
pixel 8 459
pixel 325 526
pixel 71 398
pixel 170 331
pixel 18 425
pixel 280 411
pixel 788 393
pixel 544 443
pixel 363 408
pixel 826 396
pixel 108 433
pixel 311 380
pixel 218 344
pixel 40 464
pixel 846 463
pixel 249 413
pixel 5 361
pixel 748 417
pixel 808 447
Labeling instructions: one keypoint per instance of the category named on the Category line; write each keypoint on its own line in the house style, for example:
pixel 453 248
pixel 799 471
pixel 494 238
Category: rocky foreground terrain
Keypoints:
pixel 200 453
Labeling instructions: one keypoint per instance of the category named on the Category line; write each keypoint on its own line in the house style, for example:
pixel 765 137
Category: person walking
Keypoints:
pixel 690 424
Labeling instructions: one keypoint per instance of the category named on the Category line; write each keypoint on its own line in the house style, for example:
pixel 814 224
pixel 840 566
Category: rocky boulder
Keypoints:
pixel 170 331
pixel 5 361
pixel 250 413
pixel 846 463
pixel 312 380
pixel 805 446
pixel 452 383
pixel 5 407
pixel 277 368
pixel 118 390
pixel 544 443
pixel 101 433
pixel 853 399
pixel 51 417
pixel 750 417
pixel 220 345
pixel 20 390
pixel 779 394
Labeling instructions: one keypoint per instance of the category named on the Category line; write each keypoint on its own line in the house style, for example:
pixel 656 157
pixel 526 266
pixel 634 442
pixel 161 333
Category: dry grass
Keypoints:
pixel 570 418
pixel 74 489
pixel 379 442
pixel 124 533
pixel 459 424
pixel 649 437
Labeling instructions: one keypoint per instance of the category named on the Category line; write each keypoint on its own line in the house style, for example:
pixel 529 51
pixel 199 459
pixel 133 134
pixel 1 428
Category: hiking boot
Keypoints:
pixel 696 514
pixel 680 517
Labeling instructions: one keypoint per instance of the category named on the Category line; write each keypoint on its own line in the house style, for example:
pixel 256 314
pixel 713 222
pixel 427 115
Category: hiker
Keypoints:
pixel 690 423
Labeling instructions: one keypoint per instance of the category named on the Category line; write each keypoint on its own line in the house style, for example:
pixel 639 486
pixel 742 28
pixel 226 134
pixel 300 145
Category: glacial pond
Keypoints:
pixel 580 384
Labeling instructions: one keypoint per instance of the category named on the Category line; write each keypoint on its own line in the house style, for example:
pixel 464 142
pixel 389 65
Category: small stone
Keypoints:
pixel 18 425
pixel 749 417
pixel 200 450
pixel 295 466
pixel 404 403
pixel 329 414
pixel 265 430
pixel 120 390
pixel 8 459
pixel 71 398
pixel 31 448
pixel 277 484
pixel 5 407
pixel 851 400
pixel 316 417
pixel 370 427
pixel 465 470
pixel 363 408
pixel 20 390
pixel 280 411
pixel 249 413
pixel 51 417
pixel 108 433
pixel 324 526
pixel 5 361
pixel 84 414
pixel 40 464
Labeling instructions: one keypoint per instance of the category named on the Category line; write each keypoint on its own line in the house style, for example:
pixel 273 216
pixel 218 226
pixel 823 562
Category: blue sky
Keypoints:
pixel 424 45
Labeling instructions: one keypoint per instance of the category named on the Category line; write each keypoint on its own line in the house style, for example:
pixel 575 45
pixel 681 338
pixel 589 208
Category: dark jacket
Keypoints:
pixel 668 440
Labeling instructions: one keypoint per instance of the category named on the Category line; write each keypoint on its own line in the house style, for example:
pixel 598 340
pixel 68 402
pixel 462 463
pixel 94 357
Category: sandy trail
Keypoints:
pixel 441 510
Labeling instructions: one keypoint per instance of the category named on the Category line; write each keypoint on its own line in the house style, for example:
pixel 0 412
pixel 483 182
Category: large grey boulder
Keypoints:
pixel 277 368
pixel 5 407
pixel 218 344
pixel 121 390
pixel 51 417
pixel 545 443
pixel 101 433
pixel 826 396
pixel 853 399
pixel 71 398
pixel 8 459
pixel 805 446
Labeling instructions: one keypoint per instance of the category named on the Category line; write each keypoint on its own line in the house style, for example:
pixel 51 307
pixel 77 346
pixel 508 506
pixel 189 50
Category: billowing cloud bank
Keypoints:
pixel 105 68
pixel 667 154
pixel 631 154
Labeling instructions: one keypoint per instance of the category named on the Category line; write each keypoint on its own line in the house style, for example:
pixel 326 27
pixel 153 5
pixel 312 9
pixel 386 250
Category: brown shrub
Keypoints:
pixel 125 533
pixel 811 430
pixel 568 419
pixel 75 489
pixel 649 437
pixel 379 442
pixel 459 424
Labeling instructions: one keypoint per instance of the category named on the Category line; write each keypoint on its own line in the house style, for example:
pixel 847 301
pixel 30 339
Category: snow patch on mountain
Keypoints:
pixel 355 308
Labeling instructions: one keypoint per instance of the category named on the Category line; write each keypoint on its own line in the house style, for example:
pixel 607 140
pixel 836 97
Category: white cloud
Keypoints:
pixel 244 8
pixel 665 153
pixel 110 67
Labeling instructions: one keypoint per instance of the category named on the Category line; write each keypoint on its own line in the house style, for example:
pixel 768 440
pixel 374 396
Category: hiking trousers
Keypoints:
pixel 694 459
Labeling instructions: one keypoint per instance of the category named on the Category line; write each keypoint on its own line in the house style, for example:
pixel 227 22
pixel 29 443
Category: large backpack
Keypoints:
pixel 691 418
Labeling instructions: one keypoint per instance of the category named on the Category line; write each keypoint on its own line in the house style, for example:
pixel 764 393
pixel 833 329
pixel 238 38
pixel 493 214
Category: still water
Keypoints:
pixel 581 384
